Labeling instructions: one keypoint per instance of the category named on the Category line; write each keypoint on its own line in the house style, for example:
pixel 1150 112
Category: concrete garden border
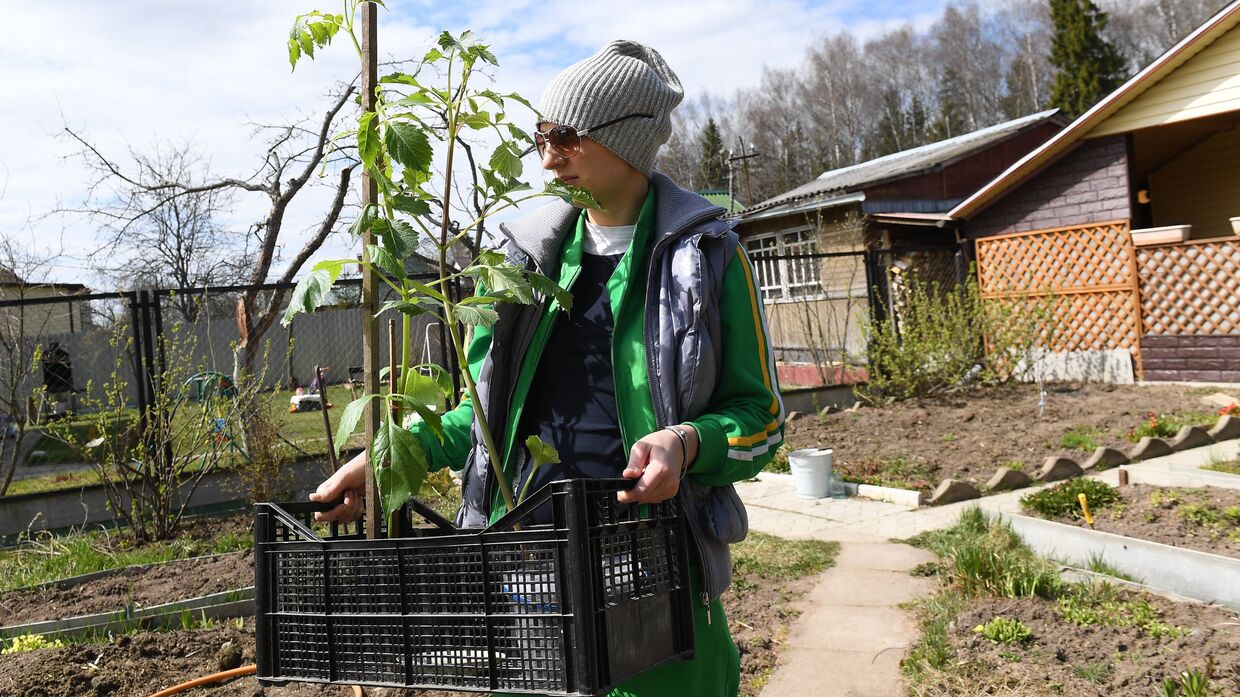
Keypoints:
pixel 910 498
pixel 1210 578
pixel 224 604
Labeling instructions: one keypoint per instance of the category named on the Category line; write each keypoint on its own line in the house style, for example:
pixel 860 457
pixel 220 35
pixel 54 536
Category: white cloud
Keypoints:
pixel 132 73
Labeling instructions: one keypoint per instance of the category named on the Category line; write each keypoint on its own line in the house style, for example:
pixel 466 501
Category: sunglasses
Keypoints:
pixel 566 140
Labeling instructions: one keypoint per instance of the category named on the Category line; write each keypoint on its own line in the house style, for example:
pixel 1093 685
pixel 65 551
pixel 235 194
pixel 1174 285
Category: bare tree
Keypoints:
pixel 23 328
pixel 293 155
pixel 176 242
pixel 1143 29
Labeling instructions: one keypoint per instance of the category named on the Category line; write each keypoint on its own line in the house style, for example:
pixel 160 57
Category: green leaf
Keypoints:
pixel 582 198
pixel 432 55
pixel 311 291
pixel 485 55
pixel 412 206
pixel 349 418
pixel 442 377
pixel 294 51
pixel 477 121
pixel 411 307
pixel 542 453
pixel 408 145
pixel 400 78
pixel 363 222
pixel 405 236
pixel 475 316
pixel 547 287
pixel 384 260
pixel 403 467
pixel 506 160
pixel 368 139
pixel 521 100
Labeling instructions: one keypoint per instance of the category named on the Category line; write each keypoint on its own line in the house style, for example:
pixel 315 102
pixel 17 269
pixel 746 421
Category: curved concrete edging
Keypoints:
pixel 1201 576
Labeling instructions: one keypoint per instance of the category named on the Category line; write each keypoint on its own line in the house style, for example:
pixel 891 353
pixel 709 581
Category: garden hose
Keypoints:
pixel 222 676
pixel 207 680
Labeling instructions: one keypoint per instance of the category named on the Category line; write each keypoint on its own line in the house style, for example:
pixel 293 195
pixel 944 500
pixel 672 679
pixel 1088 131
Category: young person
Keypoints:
pixel 661 370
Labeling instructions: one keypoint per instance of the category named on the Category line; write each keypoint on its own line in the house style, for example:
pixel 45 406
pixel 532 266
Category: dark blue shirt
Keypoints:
pixel 571 404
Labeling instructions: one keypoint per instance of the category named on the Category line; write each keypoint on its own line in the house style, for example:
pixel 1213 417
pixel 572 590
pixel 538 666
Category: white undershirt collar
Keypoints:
pixel 607 240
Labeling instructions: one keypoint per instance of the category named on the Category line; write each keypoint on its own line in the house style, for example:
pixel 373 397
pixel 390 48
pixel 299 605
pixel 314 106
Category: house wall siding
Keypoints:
pixel 1199 187
pixel 1196 358
pixel 1089 185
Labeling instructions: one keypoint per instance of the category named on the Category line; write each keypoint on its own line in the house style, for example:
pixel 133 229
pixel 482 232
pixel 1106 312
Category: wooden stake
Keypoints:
pixel 370 280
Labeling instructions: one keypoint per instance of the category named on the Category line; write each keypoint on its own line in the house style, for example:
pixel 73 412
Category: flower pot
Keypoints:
pixel 1167 234
pixel 1235 225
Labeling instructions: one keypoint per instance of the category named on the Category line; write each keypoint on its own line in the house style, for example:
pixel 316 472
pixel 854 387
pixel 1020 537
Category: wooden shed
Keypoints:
pixel 832 252
pixel 1129 215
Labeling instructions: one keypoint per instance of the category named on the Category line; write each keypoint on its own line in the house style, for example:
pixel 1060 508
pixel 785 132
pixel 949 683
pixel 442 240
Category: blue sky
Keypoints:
pixel 132 73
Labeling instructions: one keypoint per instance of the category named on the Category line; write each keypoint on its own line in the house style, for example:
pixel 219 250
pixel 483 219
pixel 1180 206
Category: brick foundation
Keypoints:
pixel 1191 357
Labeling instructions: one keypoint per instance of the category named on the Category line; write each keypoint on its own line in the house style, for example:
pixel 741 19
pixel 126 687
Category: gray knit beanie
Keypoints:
pixel 624 78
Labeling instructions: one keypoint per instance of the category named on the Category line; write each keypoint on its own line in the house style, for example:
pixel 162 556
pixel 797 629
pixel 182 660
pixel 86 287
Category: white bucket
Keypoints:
pixel 811 472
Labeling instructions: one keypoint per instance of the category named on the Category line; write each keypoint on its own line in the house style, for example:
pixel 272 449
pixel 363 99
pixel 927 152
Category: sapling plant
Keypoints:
pixel 433 107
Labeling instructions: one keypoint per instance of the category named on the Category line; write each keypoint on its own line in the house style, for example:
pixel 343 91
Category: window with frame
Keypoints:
pixel 779 277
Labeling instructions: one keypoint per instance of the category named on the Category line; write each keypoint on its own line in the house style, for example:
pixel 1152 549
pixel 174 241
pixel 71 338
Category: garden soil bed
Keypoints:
pixel 154 585
pixel 141 664
pixel 919 442
pixel 1205 519
pixel 1119 662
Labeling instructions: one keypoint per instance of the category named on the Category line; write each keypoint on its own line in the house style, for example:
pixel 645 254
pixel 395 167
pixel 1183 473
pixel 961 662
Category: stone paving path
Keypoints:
pixel 852 635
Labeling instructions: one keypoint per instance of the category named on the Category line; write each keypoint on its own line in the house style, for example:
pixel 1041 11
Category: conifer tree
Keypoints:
pixel 713 156
pixel 1087 66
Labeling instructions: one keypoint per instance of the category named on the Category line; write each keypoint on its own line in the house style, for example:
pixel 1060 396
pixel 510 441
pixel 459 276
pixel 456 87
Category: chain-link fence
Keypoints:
pixel 64 357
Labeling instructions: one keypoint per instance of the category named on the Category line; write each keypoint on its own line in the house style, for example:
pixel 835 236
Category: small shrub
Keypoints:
pixel 1093 671
pixel 31 642
pixel 1104 605
pixel 1002 630
pixel 1080 438
pixel 1166 498
pixel 1060 501
pixel 1167 425
pixel 1203 515
pixel 1190 683
pixel 779 463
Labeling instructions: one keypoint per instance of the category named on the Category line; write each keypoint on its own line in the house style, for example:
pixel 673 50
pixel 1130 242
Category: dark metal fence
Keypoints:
pixel 61 354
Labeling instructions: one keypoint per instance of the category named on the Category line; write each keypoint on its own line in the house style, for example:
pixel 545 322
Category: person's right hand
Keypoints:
pixel 348 483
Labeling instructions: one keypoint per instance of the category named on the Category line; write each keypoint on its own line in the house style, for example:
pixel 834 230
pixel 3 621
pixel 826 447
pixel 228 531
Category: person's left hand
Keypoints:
pixel 655 461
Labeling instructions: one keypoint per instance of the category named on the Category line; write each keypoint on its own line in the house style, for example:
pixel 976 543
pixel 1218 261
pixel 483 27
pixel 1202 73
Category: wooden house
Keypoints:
pixel 870 225
pixel 1129 214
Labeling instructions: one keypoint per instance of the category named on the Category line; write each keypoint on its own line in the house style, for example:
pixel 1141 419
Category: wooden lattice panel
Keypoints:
pixel 1087 272
pixel 1056 260
pixel 1190 288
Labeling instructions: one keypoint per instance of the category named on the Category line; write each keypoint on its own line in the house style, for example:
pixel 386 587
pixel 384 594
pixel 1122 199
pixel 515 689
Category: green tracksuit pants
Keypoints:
pixel 715 670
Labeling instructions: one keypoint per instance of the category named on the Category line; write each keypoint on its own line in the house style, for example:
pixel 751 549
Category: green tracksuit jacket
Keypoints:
pixel 736 441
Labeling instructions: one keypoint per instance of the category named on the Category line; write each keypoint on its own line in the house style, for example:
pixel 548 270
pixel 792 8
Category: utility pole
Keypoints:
pixel 734 158
pixel 370 280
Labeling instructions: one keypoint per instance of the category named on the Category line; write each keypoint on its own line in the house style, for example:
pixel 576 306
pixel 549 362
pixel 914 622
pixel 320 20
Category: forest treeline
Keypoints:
pixel 979 64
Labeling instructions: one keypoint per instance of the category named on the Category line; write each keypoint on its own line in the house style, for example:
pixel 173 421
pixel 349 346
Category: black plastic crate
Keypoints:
pixel 570 608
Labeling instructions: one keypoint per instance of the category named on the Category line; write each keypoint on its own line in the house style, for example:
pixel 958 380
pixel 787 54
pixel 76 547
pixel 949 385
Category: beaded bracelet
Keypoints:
pixel 684 449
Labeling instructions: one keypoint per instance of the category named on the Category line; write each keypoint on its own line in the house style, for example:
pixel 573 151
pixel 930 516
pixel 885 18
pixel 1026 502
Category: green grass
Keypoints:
pixel 1099 565
pixel 45 557
pixel 900 472
pixel 1061 500
pixel 981 557
pixel 1228 467
pixel 766 556
pixel 1084 438
pixel 1093 671
pixel 53 482
pixel 1167 425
